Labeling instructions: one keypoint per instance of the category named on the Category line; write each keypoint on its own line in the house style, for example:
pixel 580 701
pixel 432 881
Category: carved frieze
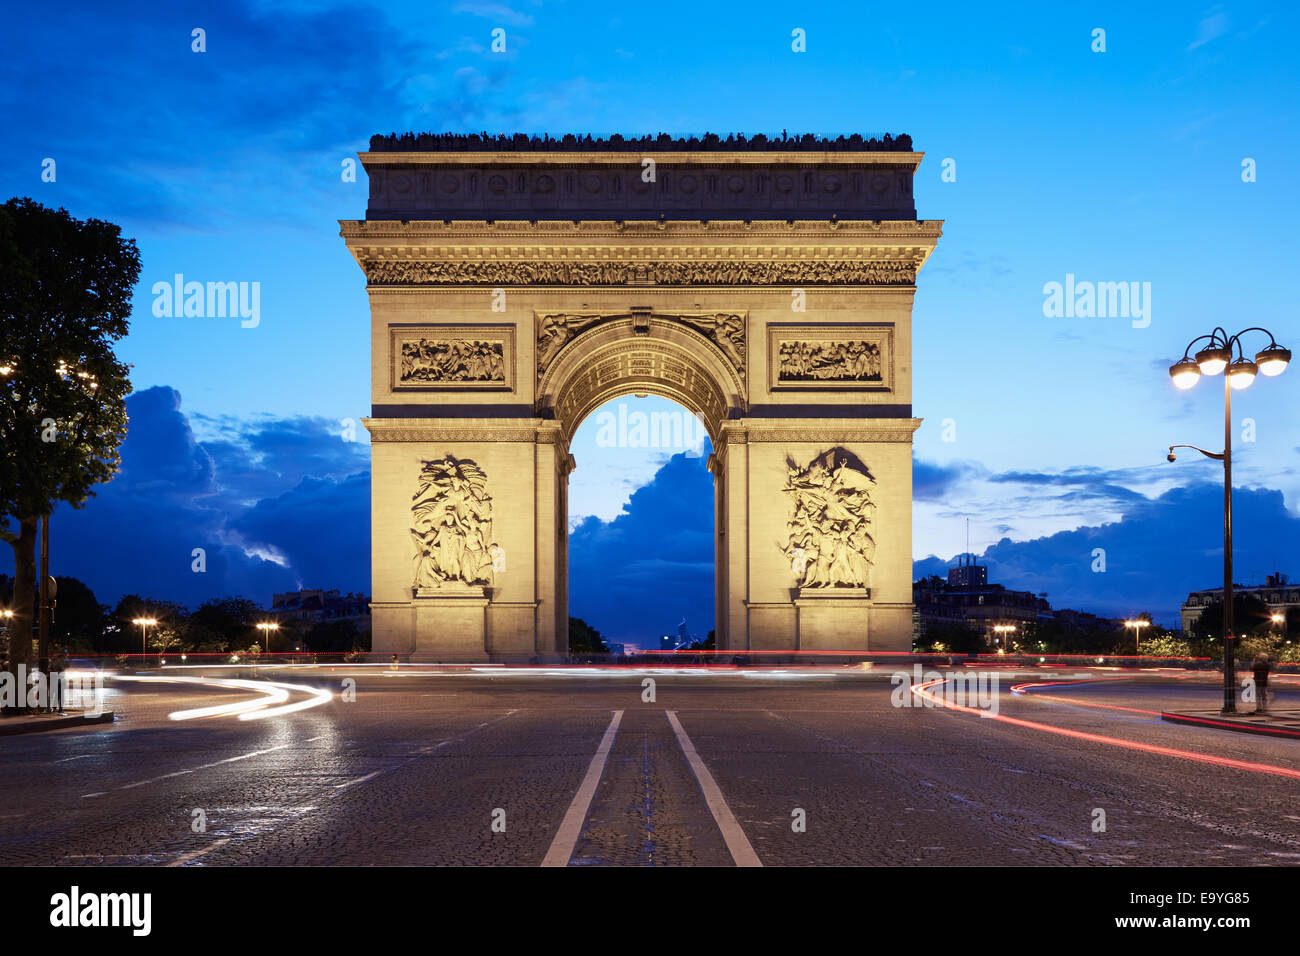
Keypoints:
pixel 451 526
pixel 726 330
pixel 731 272
pixel 830 357
pixel 452 357
pixel 829 543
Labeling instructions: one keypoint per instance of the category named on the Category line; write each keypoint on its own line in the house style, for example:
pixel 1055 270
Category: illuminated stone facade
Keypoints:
pixel 766 287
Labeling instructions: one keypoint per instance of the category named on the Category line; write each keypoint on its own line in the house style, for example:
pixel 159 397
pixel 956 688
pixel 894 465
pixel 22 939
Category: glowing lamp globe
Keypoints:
pixel 1273 360
pixel 1213 360
pixel 1185 373
pixel 1241 373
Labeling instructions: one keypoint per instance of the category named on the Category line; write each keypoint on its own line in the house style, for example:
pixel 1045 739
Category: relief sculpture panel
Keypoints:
pixel 454 357
pixel 829 542
pixel 451 526
pixel 830 357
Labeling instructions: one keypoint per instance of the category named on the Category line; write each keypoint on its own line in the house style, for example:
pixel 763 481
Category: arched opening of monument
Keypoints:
pixel 642 529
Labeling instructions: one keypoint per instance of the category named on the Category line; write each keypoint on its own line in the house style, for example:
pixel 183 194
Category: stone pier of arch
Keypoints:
pixel 516 286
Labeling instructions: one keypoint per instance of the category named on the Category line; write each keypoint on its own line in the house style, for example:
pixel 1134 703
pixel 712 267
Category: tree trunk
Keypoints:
pixel 20 625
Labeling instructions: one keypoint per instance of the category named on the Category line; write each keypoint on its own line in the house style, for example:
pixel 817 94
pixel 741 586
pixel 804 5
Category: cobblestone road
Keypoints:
pixel 480 770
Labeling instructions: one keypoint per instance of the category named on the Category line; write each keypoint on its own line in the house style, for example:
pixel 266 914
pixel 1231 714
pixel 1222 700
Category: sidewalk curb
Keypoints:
pixel 10 726
pixel 1227 723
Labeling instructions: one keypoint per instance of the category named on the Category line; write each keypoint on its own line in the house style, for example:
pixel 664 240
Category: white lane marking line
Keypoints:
pixel 566 838
pixel 732 834
pixel 195 854
pixel 179 773
pixel 312 740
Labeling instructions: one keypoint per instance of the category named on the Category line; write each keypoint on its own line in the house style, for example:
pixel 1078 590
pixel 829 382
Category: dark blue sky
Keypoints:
pixel 1115 166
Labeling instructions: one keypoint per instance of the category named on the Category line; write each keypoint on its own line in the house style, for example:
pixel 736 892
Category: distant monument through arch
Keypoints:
pixel 516 284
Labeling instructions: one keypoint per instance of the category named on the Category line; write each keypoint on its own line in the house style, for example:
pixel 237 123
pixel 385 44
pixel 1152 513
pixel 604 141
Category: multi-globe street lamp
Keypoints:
pixel 144 623
pixel 267 627
pixel 1214 358
pixel 1137 624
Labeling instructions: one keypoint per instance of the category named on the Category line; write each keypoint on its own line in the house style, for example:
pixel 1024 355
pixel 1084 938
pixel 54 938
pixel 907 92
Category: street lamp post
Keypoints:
pixel 1005 631
pixel 1137 624
pixel 144 623
pixel 1238 373
pixel 267 627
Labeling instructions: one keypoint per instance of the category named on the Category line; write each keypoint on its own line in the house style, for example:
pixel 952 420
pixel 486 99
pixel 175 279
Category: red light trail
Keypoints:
pixel 922 690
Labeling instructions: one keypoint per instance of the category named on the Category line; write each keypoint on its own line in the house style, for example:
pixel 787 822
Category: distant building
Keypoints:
pixel 674 642
pixel 1278 592
pixel 968 599
pixel 1083 621
pixel 314 606
pixel 979 607
pixel 968 574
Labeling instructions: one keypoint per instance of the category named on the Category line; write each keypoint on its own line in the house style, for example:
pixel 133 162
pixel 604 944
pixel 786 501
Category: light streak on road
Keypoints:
pixel 1025 688
pixel 1184 718
pixel 317 698
pixel 254 709
pixel 923 691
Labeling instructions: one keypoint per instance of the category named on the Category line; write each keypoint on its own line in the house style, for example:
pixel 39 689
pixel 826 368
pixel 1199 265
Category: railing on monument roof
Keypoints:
pixel 522 142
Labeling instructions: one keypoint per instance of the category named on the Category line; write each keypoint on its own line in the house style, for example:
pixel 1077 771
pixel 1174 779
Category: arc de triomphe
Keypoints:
pixel 517 284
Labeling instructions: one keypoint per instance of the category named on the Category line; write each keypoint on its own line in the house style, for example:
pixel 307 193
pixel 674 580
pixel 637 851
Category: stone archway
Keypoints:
pixel 607 356
pixel 514 290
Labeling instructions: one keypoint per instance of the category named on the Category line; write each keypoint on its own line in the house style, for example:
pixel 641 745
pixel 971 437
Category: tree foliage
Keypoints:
pixel 65 298
pixel 585 639
pixel 1250 615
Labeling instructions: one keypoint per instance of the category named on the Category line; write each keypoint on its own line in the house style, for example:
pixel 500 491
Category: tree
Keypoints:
pixel 220 624
pixel 585 639
pixel 167 633
pixel 338 635
pixel 1250 617
pixel 955 636
pixel 707 643
pixel 78 618
pixel 65 298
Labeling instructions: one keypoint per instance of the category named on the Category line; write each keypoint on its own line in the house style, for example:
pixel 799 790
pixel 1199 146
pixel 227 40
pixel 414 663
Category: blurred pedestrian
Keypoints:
pixel 1261 666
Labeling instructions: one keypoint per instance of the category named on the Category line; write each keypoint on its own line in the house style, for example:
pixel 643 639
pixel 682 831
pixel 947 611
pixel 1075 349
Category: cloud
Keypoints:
pixel 933 482
pixel 1212 26
pixel 1083 484
pixel 147 131
pixel 321 527
pixel 1158 551
pixel 635 577
pixel 274 506
pixel 498 12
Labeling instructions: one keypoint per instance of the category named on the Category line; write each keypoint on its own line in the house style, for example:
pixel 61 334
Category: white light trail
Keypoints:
pixel 258 707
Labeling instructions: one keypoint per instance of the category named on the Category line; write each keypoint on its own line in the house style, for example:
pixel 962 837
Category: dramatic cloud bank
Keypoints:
pixel 1159 550
pixel 274 506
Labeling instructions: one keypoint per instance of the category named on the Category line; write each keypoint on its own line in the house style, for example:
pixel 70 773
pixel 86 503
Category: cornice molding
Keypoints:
pixel 533 431
pixel 745 431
